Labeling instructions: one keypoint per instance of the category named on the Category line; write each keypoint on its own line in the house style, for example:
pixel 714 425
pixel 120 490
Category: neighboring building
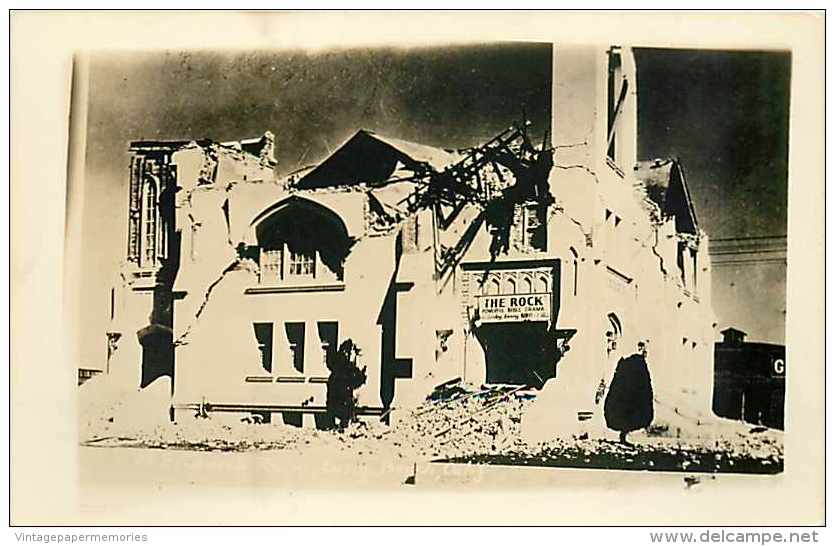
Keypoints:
pixel 484 264
pixel 749 380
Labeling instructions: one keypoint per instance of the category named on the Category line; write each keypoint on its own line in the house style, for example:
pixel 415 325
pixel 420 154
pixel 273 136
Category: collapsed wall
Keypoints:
pixel 637 278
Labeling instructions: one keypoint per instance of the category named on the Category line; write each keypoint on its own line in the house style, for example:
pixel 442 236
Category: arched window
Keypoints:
pixel 149 235
pixel 542 284
pixel 510 286
pixel 526 285
pixel 613 333
pixel 575 271
pixel 493 287
pixel 301 240
pixel 614 321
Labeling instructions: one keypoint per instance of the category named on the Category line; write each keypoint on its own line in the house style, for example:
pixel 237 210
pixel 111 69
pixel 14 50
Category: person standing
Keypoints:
pixel 629 402
pixel 344 379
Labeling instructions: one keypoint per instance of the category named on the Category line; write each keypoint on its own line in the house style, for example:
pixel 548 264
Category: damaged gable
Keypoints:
pixel 367 158
pixel 665 185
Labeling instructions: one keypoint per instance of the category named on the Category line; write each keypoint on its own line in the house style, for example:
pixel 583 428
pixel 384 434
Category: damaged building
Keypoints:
pixel 518 261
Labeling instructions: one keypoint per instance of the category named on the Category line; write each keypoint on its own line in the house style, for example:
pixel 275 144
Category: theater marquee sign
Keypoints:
pixel 515 307
pixel 510 291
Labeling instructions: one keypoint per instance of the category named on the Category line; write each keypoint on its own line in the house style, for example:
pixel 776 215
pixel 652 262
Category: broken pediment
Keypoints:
pixel 665 185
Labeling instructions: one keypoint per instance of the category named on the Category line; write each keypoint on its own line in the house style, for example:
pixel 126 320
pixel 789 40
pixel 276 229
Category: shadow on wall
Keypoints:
pixel 157 339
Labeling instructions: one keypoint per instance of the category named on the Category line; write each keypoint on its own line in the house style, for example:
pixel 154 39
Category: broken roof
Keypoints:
pixel 370 158
pixel 665 184
pixel 251 146
pixel 437 158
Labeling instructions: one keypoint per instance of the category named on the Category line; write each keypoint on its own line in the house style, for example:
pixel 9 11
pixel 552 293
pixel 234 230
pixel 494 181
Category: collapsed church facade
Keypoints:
pixel 516 262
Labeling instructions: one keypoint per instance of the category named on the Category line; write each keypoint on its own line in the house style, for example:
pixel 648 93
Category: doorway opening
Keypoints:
pixel 518 353
pixel 157 353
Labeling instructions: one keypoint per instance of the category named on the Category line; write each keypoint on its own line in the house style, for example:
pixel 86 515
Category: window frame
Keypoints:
pixel 149 224
pixel 536 211
pixel 614 106
pixel 297 348
pixel 575 268
pixel 266 345
pixel 301 265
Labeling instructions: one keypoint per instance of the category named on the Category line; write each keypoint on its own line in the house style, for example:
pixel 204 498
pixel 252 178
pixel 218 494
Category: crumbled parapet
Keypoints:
pixel 267 153
pixel 208 170
pixel 380 218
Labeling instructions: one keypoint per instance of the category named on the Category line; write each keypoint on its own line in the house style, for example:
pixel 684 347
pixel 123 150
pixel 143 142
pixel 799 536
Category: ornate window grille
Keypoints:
pixel 270 266
pixel 149 224
pixel 302 264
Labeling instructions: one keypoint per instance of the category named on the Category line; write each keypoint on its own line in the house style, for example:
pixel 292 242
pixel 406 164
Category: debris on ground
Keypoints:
pixel 461 423
pixel 691 481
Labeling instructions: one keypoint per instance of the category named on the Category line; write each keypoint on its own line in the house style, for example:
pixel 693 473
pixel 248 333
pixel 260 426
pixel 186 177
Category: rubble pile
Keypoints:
pixel 460 423
pixel 455 423
pixel 475 422
pixel 108 407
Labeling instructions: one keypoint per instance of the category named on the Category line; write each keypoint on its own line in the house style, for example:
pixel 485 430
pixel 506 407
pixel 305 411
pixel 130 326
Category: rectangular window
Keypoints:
pixel 149 225
pixel 575 268
pixel 535 226
pixel 616 89
pixel 409 234
pixel 328 338
pixel 134 209
pixel 576 276
pixel 302 263
pixel 682 247
pixel 264 336
pixel 295 339
pixel 693 256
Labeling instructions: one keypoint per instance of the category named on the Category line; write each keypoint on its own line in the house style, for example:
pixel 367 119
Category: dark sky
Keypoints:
pixel 724 114
pixel 312 102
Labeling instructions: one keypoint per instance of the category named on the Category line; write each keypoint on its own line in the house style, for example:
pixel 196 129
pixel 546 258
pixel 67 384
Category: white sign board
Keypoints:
pixel 514 307
pixel 779 367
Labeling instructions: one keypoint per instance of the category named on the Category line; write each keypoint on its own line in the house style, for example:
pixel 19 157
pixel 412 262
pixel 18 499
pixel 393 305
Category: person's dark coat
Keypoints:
pixel 628 404
pixel 345 377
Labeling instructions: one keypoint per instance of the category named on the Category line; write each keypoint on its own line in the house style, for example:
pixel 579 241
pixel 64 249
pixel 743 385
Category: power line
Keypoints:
pixel 735 252
pixel 750 245
pixel 750 262
pixel 750 242
pixel 754 238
